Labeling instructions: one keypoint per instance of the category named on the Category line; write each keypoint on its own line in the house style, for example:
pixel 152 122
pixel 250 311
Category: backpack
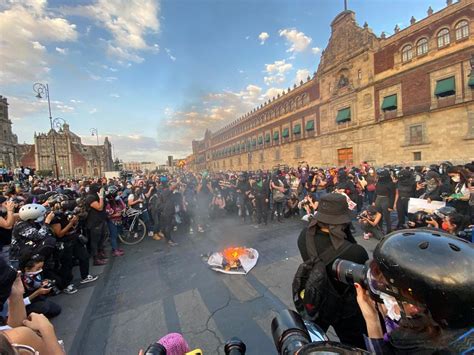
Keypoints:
pixel 314 295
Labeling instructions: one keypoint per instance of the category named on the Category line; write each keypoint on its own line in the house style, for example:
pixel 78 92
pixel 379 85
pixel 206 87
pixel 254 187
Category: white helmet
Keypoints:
pixel 32 211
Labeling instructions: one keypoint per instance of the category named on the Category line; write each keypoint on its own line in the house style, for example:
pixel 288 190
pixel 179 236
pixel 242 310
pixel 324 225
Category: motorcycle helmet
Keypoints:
pixel 32 212
pixel 431 269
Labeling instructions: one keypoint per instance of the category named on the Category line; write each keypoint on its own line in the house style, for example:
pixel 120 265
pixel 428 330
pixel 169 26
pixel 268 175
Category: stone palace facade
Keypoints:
pixel 400 99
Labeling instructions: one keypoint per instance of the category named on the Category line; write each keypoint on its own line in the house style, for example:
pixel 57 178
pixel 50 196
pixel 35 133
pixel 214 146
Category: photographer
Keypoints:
pixel 96 223
pixel 329 233
pixel 32 233
pixel 370 223
pixel 423 282
pixel 65 227
pixel 309 205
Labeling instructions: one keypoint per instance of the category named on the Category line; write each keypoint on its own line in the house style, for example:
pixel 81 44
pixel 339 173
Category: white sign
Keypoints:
pixel 418 204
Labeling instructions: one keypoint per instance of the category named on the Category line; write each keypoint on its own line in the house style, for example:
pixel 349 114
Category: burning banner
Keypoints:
pixel 234 260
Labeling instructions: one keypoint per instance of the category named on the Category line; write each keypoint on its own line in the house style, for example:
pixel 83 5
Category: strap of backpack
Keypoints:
pixel 328 255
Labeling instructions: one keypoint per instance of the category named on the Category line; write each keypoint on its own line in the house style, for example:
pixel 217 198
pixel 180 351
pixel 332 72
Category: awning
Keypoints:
pixel 343 115
pixel 310 126
pixel 285 133
pixel 267 138
pixel 389 103
pixel 254 142
pixel 445 87
pixel 471 81
pixel 260 140
pixel 297 129
pixel 276 136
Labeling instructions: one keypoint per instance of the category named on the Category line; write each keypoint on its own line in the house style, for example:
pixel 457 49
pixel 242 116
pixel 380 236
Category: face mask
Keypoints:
pixel 87 189
pixel 117 198
pixel 445 226
pixel 371 171
pixel 391 305
pixel 456 178
pixel 3 209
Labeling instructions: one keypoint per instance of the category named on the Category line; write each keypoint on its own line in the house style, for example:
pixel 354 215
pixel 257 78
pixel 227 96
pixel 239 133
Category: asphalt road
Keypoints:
pixel 154 290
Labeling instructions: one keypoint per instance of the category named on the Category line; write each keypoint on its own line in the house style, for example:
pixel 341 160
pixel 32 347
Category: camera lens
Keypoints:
pixel 289 332
pixel 235 346
pixel 349 272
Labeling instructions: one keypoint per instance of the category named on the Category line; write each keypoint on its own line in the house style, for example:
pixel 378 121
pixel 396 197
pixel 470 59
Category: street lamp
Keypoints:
pixel 95 132
pixel 58 123
pixel 42 90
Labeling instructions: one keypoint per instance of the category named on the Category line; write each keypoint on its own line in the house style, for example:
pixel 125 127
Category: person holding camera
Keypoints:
pixel 32 233
pixel 370 222
pixel 425 281
pixel 65 227
pixel 328 237
pixel 96 223
pixel 36 288
pixel 459 198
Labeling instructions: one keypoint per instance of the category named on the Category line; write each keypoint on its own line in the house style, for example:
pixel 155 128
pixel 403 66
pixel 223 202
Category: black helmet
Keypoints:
pixel 432 269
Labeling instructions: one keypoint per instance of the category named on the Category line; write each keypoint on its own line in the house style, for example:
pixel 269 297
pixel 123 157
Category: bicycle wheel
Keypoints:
pixel 135 236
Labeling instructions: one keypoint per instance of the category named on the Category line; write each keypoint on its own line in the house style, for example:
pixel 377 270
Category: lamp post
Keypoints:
pixel 95 132
pixel 58 123
pixel 42 90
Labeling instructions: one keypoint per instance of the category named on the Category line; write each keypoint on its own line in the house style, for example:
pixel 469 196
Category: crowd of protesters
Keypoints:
pixel 47 226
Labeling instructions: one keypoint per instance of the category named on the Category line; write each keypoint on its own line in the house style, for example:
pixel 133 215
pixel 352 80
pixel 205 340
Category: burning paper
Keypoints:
pixel 234 260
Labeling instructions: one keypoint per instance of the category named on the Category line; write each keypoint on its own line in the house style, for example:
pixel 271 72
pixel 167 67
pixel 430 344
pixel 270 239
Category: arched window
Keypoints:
pixel 407 53
pixel 443 38
pixel 422 46
pixel 462 30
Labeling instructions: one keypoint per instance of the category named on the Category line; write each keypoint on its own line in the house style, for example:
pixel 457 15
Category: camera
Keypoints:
pixel 362 215
pixel 49 284
pixel 349 272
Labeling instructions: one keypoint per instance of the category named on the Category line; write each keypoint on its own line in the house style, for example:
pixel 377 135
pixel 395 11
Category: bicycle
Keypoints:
pixel 133 228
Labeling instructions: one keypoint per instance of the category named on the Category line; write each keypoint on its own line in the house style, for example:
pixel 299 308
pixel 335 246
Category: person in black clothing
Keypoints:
pixel 243 191
pixel 261 193
pixel 330 229
pixel 385 200
pixel 433 187
pixel 66 230
pixel 406 188
pixel 345 184
pixel 96 223
pixel 7 220
pixel 167 218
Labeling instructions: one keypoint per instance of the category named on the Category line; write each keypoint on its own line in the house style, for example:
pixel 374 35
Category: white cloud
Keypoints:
pixel 21 107
pixel 30 26
pixel 109 79
pixel 263 37
pixel 94 110
pixel 276 72
pixel 94 77
pixel 168 51
pixel 115 95
pixel 298 41
pixel 62 51
pixel 302 75
pixel 75 101
pixel 316 50
pixel 247 37
pixel 128 22
pixel 271 93
pixel 124 55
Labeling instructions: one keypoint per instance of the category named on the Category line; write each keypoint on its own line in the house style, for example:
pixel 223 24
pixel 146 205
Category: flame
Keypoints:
pixel 233 254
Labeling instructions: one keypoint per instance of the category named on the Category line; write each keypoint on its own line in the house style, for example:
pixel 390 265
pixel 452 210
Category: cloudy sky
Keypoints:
pixel 153 75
